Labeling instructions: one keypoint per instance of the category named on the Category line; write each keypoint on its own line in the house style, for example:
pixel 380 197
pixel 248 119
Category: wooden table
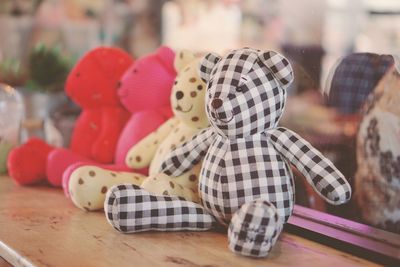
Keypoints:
pixel 39 226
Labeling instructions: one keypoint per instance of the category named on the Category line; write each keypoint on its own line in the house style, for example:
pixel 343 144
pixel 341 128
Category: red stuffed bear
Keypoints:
pixel 92 84
pixel 145 91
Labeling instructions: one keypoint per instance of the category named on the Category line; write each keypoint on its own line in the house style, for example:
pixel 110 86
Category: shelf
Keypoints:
pixel 40 227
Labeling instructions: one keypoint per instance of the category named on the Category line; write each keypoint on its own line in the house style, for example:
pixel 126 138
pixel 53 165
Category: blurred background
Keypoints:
pixel 345 98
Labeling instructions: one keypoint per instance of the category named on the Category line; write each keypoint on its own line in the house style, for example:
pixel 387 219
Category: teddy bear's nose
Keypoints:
pixel 216 103
pixel 179 95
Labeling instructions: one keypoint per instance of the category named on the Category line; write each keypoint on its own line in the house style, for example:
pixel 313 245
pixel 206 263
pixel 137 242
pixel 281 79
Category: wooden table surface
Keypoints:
pixel 39 227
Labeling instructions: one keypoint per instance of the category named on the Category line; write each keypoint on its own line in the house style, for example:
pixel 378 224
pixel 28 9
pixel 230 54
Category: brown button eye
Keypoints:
pixel 179 95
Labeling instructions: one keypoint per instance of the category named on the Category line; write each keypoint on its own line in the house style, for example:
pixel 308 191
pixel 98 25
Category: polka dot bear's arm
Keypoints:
pixel 184 157
pixel 319 171
pixel 141 154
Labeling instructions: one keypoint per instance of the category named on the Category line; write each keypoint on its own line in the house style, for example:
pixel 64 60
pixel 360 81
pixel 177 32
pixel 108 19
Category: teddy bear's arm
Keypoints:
pixel 141 154
pixel 184 157
pixel 319 171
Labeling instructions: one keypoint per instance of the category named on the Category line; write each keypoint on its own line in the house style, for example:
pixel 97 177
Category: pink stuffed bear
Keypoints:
pixel 92 85
pixel 144 90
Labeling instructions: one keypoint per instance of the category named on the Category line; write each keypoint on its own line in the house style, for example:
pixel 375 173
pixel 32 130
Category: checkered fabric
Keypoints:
pixel 319 171
pixel 184 157
pixel 252 94
pixel 354 78
pixel 132 209
pixel 254 229
pixel 245 172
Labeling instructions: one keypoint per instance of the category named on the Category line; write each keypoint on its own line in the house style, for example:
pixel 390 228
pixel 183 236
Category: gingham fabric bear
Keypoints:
pixel 246 180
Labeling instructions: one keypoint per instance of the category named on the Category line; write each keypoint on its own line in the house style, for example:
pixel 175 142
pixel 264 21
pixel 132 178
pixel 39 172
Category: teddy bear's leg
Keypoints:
pixel 254 229
pixel 58 161
pixel 88 185
pixel 162 184
pixel 130 209
pixel 27 163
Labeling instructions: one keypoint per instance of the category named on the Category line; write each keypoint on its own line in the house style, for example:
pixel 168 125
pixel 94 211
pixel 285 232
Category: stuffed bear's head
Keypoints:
pixel 246 90
pixel 147 84
pixel 188 93
pixel 93 81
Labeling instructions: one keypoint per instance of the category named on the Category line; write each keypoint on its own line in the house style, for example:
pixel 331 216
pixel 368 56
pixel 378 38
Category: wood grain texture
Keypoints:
pixel 39 227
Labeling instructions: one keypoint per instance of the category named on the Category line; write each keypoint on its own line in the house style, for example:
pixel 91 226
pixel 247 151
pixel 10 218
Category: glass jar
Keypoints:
pixel 11 115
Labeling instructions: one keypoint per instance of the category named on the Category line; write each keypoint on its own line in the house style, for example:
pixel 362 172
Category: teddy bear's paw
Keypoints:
pixel 254 229
pixel 88 185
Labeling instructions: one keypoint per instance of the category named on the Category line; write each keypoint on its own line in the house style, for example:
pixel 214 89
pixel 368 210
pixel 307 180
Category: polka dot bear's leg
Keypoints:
pixel 189 179
pixel 88 185
pixel 162 184
pixel 130 209
pixel 254 229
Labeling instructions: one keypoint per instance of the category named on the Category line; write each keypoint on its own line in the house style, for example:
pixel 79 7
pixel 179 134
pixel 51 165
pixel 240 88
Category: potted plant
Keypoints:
pixel 43 93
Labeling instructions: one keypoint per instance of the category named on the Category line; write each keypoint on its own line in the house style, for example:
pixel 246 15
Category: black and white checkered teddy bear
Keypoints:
pixel 246 180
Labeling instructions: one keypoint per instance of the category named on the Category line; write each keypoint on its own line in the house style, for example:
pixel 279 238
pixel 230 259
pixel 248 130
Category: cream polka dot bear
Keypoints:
pixel 188 104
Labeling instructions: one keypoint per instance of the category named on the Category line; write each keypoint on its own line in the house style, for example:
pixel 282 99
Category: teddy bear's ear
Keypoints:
pixel 279 66
pixel 182 59
pixel 167 57
pixel 207 64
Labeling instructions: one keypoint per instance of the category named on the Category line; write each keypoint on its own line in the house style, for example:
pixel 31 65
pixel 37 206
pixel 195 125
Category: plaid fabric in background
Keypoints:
pixel 354 78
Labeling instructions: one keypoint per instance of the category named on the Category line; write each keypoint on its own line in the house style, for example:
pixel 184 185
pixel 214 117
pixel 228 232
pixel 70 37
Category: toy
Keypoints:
pixel 246 181
pixel 145 90
pixel 92 85
pixel 378 155
pixel 187 101
pixel 353 78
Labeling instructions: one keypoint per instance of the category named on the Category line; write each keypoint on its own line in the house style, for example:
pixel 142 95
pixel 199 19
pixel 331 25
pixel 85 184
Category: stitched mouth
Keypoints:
pixel 217 118
pixel 180 109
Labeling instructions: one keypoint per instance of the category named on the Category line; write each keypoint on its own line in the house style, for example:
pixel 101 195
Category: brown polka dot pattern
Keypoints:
pixel 192 177
pixel 165 193
pixel 80 181
pixel 199 87
pixel 195 118
pixel 171 184
pixel 104 189
pixel 192 80
pixel 138 159
pixel 193 94
pixel 182 139
pixel 92 173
